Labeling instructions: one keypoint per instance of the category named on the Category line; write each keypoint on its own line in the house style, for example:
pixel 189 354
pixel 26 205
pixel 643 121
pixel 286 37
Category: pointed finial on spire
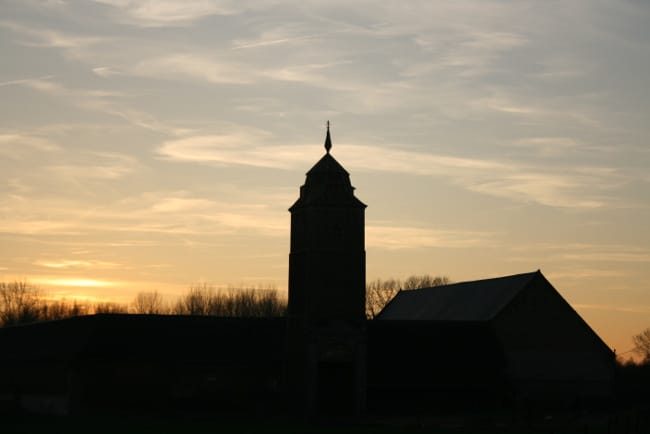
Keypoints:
pixel 328 140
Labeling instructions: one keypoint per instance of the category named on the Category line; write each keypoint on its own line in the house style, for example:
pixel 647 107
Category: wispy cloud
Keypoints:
pixel 476 52
pixel 106 71
pixel 238 148
pixel 17 145
pixel 582 274
pixel 585 253
pixel 568 188
pixel 637 256
pixel 147 13
pixel 560 68
pixel 549 146
pixel 40 37
pixel 181 204
pixel 103 165
pixel 79 282
pixel 314 74
pixel 180 212
pixel 576 188
pixel 111 103
pixel 37 226
pixel 281 35
pixel 404 237
pixel 25 80
pixel 162 213
pixel 217 67
pixel 49 86
pixel 552 189
pixel 76 263
pixel 247 148
pixel 194 66
pixel 537 110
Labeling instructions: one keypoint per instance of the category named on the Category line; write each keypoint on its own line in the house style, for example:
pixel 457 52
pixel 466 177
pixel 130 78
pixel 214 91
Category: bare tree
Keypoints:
pixel 424 281
pixel 204 299
pixel 20 302
pixel 59 309
pixel 248 302
pixel 109 307
pixel 380 292
pixel 148 303
pixel 642 344
pixel 195 302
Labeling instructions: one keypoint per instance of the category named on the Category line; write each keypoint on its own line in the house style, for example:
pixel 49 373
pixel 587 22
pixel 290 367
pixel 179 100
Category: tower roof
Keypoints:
pixel 327 165
pixel 327 183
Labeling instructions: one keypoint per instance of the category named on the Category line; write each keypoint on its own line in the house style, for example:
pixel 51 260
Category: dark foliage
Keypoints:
pixel 642 345
pixel 247 302
pixel 22 303
pixel 633 381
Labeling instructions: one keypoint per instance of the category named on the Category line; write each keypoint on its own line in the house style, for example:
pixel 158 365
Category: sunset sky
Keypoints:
pixel 149 145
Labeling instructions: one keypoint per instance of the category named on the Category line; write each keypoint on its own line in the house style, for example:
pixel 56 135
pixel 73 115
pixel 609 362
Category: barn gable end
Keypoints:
pixel 550 350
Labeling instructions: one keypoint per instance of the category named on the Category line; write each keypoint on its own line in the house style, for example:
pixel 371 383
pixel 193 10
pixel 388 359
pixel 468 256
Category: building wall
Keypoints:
pixel 551 352
pixel 327 264
pixel 144 363
pixel 419 366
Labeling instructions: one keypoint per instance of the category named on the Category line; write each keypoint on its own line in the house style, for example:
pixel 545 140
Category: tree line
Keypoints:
pixel 22 302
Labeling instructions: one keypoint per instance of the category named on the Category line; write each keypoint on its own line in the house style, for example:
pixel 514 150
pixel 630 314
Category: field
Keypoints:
pixel 635 421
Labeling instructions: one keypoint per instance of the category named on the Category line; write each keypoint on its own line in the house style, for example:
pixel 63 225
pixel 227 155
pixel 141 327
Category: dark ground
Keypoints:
pixel 630 421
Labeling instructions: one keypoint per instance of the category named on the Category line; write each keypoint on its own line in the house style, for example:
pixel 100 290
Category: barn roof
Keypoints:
pixel 478 300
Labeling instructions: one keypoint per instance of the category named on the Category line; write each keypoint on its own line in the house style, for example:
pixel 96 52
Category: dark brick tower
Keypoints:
pixel 327 279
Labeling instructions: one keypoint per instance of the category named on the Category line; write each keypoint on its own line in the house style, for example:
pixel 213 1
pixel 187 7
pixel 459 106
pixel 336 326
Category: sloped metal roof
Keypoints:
pixel 478 300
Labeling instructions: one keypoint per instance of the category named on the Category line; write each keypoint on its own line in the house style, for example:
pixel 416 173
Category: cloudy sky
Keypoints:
pixel 148 145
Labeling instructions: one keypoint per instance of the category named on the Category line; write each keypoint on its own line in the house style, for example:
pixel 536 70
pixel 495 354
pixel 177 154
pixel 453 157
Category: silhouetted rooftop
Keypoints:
pixel 327 183
pixel 328 165
pixel 478 300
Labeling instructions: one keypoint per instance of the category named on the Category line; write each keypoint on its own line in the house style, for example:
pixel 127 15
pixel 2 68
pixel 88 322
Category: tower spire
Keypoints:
pixel 328 140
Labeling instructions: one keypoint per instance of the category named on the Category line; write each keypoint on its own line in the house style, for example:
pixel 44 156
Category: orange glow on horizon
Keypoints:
pixel 75 282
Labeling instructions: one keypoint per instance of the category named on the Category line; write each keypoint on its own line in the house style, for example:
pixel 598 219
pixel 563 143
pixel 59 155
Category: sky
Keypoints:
pixel 150 145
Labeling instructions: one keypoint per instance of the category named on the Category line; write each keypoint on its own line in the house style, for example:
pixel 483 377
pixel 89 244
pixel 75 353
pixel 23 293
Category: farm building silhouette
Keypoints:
pixel 496 341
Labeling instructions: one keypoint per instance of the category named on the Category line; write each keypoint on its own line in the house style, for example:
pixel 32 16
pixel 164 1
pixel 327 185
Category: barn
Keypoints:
pixel 545 351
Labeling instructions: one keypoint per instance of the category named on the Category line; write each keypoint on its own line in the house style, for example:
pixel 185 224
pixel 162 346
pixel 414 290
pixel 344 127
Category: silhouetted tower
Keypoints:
pixel 327 279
